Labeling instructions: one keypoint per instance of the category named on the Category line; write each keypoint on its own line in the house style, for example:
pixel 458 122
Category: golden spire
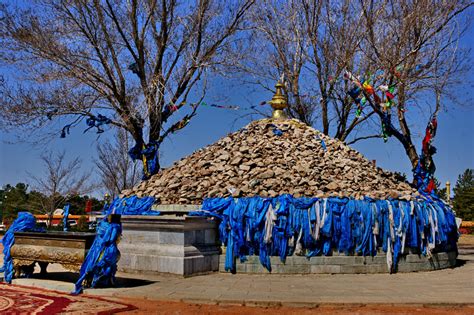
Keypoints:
pixel 279 102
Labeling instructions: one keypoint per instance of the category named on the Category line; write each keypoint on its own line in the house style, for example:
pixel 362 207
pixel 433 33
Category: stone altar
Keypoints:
pixel 66 248
pixel 171 243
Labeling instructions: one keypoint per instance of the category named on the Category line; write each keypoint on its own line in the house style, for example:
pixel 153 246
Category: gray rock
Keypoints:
pixel 255 161
pixel 267 174
pixel 332 186
pixel 244 167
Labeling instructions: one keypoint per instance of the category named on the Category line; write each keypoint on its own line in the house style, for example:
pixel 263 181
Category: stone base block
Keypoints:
pixel 344 264
pixel 180 245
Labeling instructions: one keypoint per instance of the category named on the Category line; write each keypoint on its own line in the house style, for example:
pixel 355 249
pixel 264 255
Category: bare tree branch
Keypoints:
pixel 116 169
pixel 133 58
pixel 62 180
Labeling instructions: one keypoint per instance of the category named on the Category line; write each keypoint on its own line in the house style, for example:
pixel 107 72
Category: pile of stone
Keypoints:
pixel 270 158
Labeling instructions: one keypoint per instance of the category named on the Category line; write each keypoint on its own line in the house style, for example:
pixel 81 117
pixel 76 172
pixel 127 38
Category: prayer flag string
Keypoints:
pixel 425 169
pixel 362 88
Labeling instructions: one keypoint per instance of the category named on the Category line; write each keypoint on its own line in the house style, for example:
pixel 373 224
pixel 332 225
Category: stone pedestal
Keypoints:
pixel 174 244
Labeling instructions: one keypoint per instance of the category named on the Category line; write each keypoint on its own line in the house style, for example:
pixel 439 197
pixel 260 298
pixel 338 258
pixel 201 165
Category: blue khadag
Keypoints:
pixel 100 265
pixel 25 222
pixel 132 205
pixel 285 225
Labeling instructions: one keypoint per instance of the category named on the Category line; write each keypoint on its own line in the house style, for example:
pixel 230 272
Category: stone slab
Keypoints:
pixel 175 208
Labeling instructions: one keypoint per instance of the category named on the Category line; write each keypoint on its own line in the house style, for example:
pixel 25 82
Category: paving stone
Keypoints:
pixel 339 260
pixel 325 269
pixel 355 269
pixel 375 260
pixel 298 269
pixel 414 258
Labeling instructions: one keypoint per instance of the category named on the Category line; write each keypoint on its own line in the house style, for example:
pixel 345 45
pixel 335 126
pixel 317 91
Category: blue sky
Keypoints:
pixel 454 139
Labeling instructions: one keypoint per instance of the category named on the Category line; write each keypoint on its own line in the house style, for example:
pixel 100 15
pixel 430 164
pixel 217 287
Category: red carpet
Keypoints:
pixel 16 299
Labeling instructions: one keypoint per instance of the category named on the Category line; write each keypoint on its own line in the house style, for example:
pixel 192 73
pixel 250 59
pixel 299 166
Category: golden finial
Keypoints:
pixel 279 102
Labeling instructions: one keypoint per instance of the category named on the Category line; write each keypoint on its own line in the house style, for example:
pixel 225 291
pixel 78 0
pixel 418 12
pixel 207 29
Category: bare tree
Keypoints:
pixel 117 170
pixel 407 46
pixel 62 180
pixel 415 44
pixel 310 43
pixel 137 61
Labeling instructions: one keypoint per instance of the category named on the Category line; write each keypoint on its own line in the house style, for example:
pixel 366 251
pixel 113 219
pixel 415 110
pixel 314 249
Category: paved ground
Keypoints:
pixel 426 292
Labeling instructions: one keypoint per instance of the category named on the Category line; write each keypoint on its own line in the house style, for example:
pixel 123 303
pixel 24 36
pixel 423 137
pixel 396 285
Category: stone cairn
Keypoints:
pixel 271 157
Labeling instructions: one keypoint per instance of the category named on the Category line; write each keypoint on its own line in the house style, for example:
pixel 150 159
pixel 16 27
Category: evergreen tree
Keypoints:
pixel 14 199
pixel 440 192
pixel 464 195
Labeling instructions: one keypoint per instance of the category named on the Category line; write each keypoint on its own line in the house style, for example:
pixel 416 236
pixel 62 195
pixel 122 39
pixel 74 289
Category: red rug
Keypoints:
pixel 15 299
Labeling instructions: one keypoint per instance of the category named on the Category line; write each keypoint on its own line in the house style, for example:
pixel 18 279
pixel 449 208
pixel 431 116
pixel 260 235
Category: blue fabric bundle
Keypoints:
pixel 24 222
pixel 323 144
pixel 65 217
pixel 132 206
pixel 276 131
pixel 100 264
pixel 97 121
pixel 147 153
pixel 285 225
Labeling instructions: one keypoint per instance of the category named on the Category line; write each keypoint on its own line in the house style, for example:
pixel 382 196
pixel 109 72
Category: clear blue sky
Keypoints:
pixel 454 140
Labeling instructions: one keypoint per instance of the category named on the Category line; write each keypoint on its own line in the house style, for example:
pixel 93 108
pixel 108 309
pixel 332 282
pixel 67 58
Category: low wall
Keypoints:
pixel 345 264
pixel 174 244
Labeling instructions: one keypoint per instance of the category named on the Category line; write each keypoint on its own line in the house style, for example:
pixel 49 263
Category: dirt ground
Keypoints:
pixel 466 240
pixel 165 307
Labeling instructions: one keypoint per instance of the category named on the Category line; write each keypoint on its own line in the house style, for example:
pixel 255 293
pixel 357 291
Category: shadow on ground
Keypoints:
pixel 72 277
pixel 460 263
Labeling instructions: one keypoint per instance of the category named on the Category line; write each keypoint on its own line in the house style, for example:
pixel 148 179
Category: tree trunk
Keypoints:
pixel 405 129
pixel 155 126
pixel 324 113
pixel 411 153
pixel 50 220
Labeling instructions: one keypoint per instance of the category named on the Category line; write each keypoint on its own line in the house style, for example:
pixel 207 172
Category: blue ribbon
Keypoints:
pixel 349 226
pixel 65 217
pixel 24 222
pixel 132 206
pixel 150 152
pixel 100 264
pixel 97 122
